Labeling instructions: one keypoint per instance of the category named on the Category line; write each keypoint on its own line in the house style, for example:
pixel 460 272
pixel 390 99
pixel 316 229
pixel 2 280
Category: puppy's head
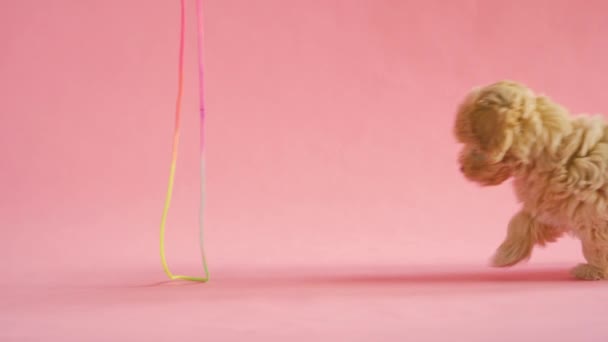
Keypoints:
pixel 487 123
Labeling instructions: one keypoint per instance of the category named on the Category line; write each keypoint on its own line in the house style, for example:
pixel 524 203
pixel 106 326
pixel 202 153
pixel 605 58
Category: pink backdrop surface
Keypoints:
pixel 335 209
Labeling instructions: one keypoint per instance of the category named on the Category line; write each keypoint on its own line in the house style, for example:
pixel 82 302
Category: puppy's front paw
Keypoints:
pixel 588 272
pixel 511 253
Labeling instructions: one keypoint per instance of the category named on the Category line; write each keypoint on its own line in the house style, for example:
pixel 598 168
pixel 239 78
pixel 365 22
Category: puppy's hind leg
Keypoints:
pixel 523 233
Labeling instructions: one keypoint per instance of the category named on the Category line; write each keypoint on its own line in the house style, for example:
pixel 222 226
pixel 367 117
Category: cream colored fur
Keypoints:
pixel 559 167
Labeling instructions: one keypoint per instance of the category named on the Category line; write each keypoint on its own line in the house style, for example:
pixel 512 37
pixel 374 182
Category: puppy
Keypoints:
pixel 558 164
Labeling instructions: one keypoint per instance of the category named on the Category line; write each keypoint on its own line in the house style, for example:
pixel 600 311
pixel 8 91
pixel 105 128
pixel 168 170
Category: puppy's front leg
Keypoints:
pixel 595 250
pixel 523 233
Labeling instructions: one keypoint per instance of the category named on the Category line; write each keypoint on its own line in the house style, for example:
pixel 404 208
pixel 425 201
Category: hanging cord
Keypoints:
pixel 178 109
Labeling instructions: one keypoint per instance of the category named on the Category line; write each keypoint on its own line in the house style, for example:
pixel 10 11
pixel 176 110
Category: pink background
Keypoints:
pixel 335 209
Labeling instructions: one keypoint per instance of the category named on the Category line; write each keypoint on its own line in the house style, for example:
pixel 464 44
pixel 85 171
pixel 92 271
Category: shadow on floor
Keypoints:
pixel 418 276
pixel 538 275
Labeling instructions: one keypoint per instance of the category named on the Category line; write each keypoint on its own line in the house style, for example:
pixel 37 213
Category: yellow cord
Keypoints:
pixel 173 167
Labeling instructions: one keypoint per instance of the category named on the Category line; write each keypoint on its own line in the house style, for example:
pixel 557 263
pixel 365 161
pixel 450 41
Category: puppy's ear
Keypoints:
pixel 489 126
pixel 489 116
pixel 462 130
pixel 497 110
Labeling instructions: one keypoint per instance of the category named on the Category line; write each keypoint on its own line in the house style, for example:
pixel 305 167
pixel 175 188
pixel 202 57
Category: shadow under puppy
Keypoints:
pixel 559 167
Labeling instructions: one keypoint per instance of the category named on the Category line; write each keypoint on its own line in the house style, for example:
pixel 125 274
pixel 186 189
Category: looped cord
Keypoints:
pixel 178 109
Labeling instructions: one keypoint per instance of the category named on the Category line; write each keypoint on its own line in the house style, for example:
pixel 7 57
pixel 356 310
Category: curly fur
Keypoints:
pixel 559 167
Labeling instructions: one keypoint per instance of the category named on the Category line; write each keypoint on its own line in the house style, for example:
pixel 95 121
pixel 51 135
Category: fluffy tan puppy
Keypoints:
pixel 559 167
